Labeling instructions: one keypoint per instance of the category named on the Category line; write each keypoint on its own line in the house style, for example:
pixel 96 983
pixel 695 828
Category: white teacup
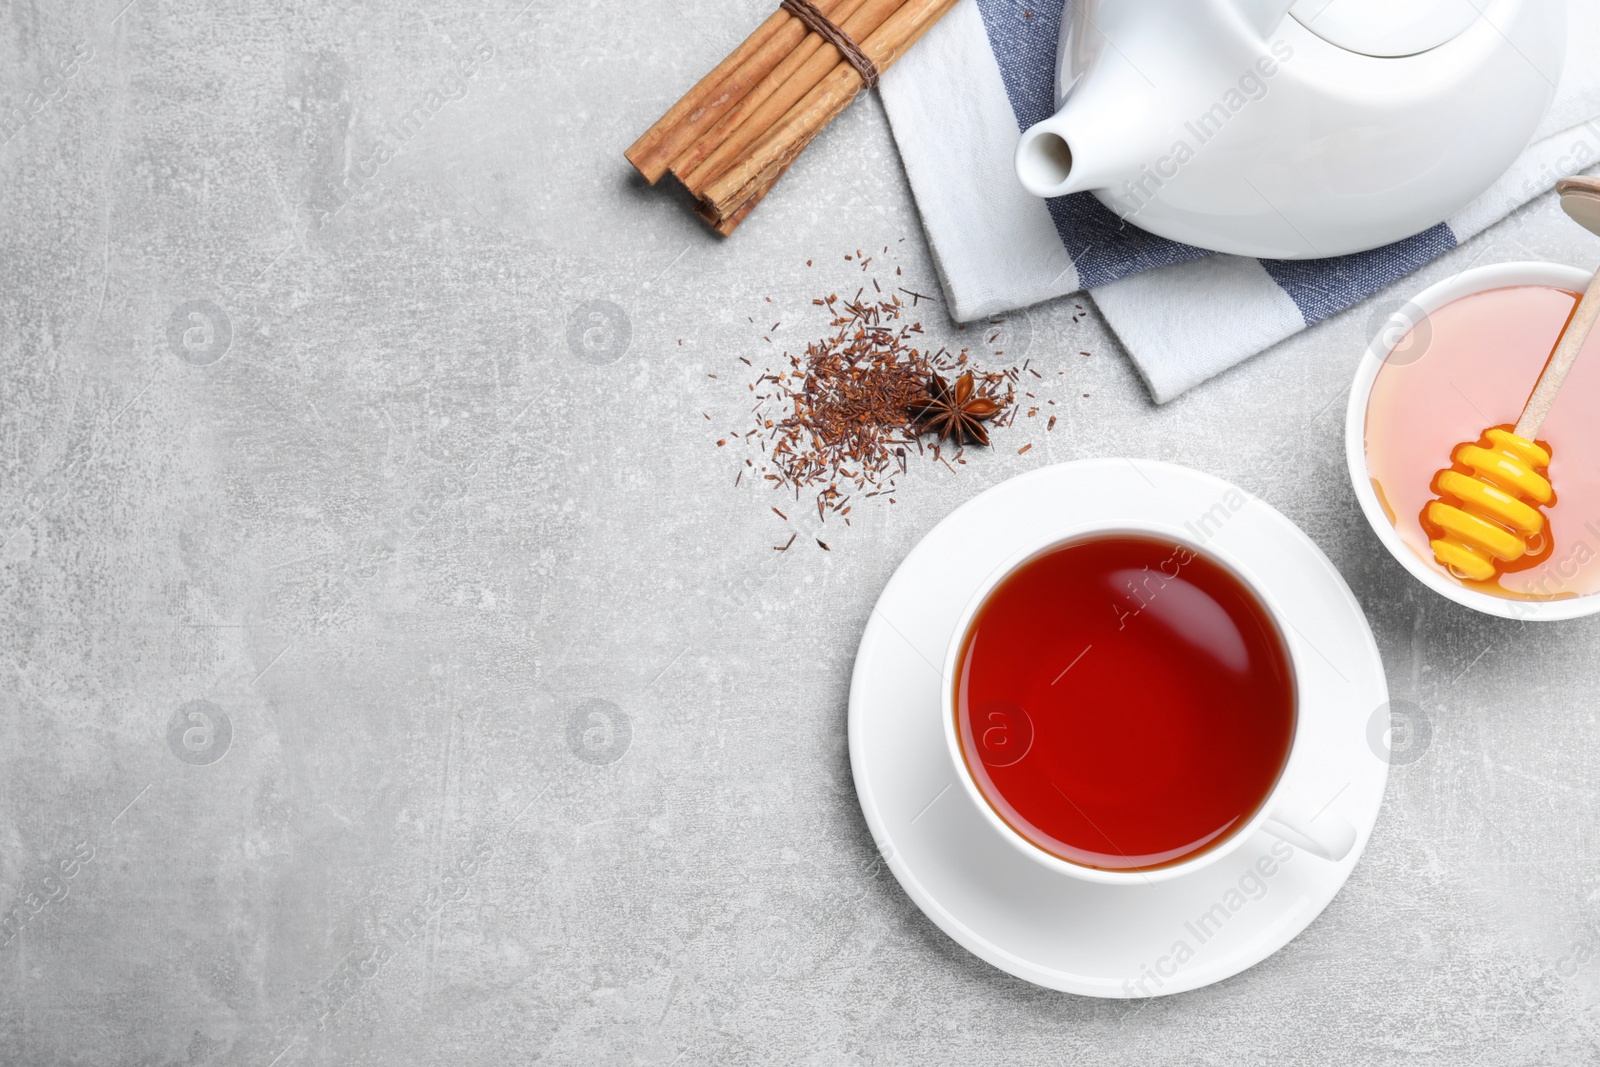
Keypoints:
pixel 1283 814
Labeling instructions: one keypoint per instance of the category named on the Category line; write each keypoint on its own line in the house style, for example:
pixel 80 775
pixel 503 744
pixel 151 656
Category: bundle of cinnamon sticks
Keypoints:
pixel 733 135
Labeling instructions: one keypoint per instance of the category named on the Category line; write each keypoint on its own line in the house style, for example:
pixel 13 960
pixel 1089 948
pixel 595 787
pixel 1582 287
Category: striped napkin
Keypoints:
pixel 958 103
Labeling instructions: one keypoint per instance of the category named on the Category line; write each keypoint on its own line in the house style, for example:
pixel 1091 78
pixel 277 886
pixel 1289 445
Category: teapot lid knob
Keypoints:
pixel 1387 28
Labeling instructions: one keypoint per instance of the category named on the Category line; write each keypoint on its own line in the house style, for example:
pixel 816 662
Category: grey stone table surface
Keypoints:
pixel 392 672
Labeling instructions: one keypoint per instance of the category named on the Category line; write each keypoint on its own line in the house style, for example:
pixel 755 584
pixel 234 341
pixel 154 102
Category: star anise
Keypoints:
pixel 956 413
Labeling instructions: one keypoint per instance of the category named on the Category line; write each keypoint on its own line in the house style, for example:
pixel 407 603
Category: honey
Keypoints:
pixel 1469 365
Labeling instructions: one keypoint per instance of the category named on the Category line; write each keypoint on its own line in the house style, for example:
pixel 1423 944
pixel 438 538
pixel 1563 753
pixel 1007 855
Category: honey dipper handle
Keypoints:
pixel 1566 353
pixel 1580 199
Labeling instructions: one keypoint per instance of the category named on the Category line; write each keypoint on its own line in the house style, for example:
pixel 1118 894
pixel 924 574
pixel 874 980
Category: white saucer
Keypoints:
pixel 1049 928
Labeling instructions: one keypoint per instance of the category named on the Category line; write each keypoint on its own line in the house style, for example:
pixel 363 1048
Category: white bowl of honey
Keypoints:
pixel 1462 355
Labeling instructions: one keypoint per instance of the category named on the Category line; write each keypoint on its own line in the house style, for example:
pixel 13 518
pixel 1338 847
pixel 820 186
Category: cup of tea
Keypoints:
pixel 1122 705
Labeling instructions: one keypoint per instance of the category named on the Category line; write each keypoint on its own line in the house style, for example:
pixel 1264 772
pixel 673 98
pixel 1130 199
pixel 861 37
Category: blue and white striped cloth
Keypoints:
pixel 958 102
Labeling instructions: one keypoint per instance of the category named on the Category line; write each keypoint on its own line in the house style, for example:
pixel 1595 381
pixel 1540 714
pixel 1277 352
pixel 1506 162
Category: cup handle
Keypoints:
pixel 1313 828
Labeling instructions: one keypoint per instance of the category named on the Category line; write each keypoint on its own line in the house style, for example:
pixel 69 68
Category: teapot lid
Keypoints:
pixel 1386 27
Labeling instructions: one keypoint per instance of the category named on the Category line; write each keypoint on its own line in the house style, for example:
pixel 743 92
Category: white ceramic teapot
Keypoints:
pixel 1292 128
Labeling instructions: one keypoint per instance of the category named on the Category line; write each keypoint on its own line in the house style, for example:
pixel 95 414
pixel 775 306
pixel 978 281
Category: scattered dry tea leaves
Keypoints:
pixel 838 420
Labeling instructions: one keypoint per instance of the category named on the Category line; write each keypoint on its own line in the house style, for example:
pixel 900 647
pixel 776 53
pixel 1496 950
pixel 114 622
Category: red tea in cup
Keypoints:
pixel 1123 702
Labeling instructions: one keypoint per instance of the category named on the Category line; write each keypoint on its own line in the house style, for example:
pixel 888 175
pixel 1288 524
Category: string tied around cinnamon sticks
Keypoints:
pixel 822 26
pixel 732 136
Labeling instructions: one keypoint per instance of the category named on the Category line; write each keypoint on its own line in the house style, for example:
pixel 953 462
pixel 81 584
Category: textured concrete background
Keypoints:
pixel 333 503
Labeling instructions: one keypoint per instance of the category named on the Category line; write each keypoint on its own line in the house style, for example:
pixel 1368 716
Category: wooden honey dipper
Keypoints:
pixel 1490 517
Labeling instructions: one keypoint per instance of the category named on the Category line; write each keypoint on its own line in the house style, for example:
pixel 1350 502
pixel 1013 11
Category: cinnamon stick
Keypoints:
pixel 728 83
pixel 746 179
pixel 753 116
pixel 725 227
pixel 647 154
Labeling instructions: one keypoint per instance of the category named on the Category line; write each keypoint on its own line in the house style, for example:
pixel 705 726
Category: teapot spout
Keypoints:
pixel 1066 153
pixel 1045 161
pixel 1118 133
